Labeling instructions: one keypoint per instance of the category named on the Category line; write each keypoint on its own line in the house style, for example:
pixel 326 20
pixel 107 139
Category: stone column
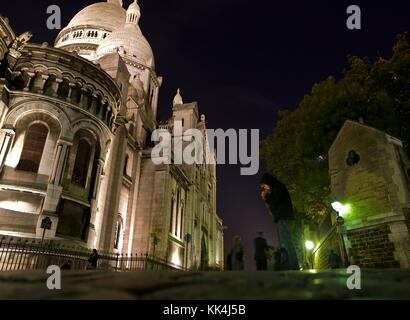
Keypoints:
pixel 94 204
pixel 107 115
pixel 85 99
pixel 55 85
pixel 111 194
pixel 60 162
pixel 132 210
pixel 39 82
pixel 70 91
pixel 102 108
pixel 28 84
pixel 5 147
pixel 54 190
pixel 94 104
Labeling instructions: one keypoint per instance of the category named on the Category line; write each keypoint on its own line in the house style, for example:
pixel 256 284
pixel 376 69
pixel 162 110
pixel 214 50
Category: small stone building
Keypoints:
pixel 369 171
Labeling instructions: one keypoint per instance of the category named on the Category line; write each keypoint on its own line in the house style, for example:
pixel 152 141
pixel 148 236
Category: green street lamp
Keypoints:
pixel 341 210
pixel 309 245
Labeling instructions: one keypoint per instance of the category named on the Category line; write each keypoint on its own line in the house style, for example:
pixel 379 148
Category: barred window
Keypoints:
pixel 177 214
pixel 35 140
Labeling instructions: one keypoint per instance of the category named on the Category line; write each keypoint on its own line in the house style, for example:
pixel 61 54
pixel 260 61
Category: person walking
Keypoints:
pixel 334 260
pixel 261 246
pixel 279 203
pixel 67 265
pixel 93 260
pixel 236 255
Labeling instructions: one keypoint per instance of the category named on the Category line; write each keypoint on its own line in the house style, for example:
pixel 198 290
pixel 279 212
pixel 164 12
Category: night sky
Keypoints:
pixel 242 60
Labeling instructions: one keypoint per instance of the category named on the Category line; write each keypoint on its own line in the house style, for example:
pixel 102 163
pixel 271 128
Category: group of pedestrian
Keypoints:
pixel 92 262
pixel 266 257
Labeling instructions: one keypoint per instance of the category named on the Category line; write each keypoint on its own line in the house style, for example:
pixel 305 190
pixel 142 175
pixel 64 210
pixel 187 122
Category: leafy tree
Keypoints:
pixel 378 92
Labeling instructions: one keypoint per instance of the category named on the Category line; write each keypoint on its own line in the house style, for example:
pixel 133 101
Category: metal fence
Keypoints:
pixel 34 254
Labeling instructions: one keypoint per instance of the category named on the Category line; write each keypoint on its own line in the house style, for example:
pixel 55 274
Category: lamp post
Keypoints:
pixel 309 246
pixel 340 210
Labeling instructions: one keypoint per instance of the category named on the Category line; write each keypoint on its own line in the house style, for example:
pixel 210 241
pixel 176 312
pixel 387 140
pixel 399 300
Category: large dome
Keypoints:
pixel 130 43
pixel 109 15
pixel 90 26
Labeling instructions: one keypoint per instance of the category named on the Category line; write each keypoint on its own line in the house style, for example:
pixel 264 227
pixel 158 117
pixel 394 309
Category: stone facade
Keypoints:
pixel 370 172
pixel 75 145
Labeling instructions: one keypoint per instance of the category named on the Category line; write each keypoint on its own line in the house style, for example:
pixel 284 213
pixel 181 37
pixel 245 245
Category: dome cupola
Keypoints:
pixel 90 27
pixel 129 42
pixel 133 13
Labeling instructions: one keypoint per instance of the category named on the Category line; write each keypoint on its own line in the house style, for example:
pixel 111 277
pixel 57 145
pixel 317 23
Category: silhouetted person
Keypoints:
pixel 236 254
pixel 278 201
pixel 334 260
pixel 260 252
pixel 277 256
pixel 93 260
pixel 66 265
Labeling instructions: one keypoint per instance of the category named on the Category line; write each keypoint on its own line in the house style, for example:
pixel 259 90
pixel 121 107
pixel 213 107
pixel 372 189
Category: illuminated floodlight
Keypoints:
pixel 309 245
pixel 341 208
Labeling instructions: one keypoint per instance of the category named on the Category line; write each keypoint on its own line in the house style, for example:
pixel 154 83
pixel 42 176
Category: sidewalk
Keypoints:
pixel 383 284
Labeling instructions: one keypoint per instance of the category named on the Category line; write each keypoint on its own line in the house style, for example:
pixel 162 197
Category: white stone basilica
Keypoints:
pixel 75 145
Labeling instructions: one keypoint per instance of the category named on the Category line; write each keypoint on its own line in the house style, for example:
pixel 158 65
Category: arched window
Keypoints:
pixel 118 231
pixel 127 158
pixel 33 148
pixel 81 164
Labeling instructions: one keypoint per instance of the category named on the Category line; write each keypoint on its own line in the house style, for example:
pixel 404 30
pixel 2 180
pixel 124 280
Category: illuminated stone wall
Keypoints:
pixel 369 171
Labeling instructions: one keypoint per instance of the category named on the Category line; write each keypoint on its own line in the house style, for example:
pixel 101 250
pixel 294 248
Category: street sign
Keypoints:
pixel 46 223
pixel 340 221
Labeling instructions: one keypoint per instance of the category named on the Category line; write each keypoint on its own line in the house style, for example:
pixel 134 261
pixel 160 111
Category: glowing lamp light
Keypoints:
pixel 341 208
pixel 309 245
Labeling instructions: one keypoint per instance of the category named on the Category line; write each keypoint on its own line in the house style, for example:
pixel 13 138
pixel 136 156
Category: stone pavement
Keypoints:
pixel 383 284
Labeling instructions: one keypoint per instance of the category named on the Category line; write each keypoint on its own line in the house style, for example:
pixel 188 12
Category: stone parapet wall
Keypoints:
pixel 372 248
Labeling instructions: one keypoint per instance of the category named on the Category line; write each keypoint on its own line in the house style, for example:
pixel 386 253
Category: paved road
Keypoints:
pixel 383 284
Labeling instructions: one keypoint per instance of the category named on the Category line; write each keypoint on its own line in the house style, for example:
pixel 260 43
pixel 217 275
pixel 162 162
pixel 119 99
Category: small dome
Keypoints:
pixel 134 6
pixel 178 98
pixel 109 15
pixel 129 42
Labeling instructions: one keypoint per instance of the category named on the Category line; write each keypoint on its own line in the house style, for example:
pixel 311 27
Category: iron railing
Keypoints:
pixel 34 254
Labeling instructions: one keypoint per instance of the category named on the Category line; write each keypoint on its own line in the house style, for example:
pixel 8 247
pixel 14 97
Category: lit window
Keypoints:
pixel 33 148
